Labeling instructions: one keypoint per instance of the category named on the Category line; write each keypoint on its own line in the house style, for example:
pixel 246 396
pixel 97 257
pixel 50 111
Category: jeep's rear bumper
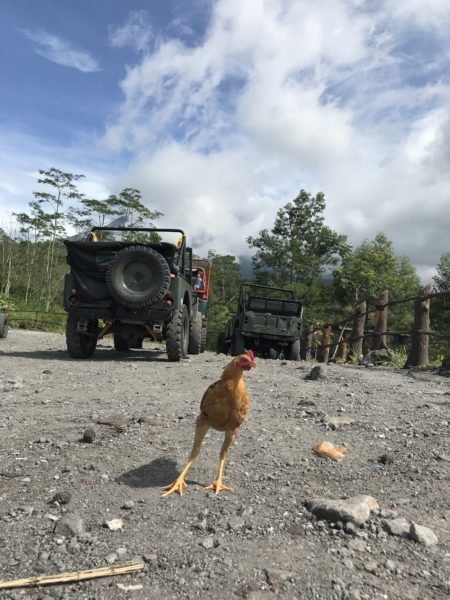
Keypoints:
pixel 120 314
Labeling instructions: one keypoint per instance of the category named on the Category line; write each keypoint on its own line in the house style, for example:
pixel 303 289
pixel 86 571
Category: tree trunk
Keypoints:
pixel 418 355
pixel 380 336
pixel 325 345
pixel 359 322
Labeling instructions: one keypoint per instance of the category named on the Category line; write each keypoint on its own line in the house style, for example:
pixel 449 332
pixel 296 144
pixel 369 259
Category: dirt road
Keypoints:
pixel 57 491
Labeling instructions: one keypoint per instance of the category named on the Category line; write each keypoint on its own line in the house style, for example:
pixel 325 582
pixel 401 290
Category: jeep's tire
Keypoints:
pixel 177 335
pixel 204 337
pixel 138 276
pixel 221 347
pixel 4 325
pixel 120 343
pixel 294 350
pixel 195 336
pixel 80 345
pixel 237 343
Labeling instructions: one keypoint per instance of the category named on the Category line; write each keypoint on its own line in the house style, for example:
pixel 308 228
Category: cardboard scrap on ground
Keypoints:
pixel 329 450
pixel 73 576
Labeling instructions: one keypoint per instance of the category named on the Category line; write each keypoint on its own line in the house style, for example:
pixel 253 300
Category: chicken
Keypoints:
pixel 223 407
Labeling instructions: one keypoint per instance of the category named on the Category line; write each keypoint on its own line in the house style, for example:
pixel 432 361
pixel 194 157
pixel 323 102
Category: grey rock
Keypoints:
pixel 89 435
pixel 336 422
pixel 276 577
pixel 400 526
pixel 235 522
pixel 423 535
pixel 357 545
pixel 356 509
pixel 208 543
pixel 111 558
pixel 371 566
pixel 69 525
pixel 128 505
pixel 62 497
pixel 317 372
pixel 377 357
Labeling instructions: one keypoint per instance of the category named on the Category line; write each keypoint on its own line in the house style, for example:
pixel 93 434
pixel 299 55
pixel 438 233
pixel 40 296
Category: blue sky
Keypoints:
pixel 220 111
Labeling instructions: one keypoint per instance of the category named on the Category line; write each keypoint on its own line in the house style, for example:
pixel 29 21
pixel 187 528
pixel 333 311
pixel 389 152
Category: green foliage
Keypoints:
pixel 297 251
pixel 224 291
pixel 440 309
pixel 371 268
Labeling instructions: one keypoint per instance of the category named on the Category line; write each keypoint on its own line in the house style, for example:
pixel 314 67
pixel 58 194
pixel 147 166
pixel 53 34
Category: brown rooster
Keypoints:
pixel 224 407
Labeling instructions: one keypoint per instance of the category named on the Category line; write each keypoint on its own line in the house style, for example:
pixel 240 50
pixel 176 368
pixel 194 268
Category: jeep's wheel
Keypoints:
pixel 204 338
pixel 273 354
pixel 81 345
pixel 294 350
pixel 120 343
pixel 4 325
pixel 237 343
pixel 195 336
pixel 138 276
pixel 177 335
pixel 221 347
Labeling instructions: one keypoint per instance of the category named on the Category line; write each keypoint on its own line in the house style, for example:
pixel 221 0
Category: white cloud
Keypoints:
pixel 136 32
pixel 282 95
pixel 61 51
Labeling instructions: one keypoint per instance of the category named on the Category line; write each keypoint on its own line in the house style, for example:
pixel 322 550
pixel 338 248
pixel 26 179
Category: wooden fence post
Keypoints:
pixel 325 344
pixel 380 336
pixel 418 355
pixel 359 322
pixel 343 348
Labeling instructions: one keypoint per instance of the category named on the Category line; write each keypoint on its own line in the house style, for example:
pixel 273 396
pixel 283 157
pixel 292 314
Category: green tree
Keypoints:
pixel 91 213
pixel 298 250
pixel 63 188
pixel 440 308
pixel 371 268
pixel 129 203
pixel 224 289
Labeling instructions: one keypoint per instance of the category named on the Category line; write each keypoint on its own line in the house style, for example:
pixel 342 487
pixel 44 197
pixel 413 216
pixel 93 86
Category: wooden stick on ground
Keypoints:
pixel 73 576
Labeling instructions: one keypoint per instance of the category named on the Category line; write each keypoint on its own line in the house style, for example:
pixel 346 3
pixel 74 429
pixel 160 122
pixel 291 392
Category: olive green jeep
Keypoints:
pixel 268 321
pixel 135 288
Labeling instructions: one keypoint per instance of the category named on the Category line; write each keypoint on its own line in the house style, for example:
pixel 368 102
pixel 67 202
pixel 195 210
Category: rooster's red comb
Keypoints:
pixel 250 354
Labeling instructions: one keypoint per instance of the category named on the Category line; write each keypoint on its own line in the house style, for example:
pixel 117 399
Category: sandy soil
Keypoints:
pixel 258 542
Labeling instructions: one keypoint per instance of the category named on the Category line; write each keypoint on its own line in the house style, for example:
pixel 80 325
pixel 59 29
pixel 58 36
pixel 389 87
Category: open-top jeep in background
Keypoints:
pixel 268 321
pixel 134 288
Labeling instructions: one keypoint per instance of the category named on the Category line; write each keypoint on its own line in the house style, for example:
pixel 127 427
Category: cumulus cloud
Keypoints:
pixel 61 51
pixel 136 32
pixel 346 97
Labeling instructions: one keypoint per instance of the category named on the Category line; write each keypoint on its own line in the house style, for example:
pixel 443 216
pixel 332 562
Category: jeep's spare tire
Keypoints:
pixel 138 276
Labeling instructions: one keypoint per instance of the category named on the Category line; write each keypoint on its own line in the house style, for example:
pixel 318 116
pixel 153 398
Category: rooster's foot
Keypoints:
pixel 176 486
pixel 218 486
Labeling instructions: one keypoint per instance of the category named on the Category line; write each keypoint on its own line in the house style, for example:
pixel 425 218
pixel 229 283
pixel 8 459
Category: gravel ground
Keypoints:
pixel 260 542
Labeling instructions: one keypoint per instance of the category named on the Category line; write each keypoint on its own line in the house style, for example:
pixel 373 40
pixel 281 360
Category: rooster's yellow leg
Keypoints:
pixel 179 483
pixel 217 485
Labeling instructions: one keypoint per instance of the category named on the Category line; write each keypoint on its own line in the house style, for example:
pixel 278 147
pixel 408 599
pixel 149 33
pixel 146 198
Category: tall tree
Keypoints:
pixel 63 188
pixel 129 203
pixel 224 289
pixel 440 308
pixel 371 268
pixel 298 249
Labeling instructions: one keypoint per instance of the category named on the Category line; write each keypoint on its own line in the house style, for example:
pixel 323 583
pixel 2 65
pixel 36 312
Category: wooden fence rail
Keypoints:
pixel 419 334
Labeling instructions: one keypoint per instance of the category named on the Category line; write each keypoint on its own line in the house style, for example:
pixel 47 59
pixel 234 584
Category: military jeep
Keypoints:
pixel 268 321
pixel 134 288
